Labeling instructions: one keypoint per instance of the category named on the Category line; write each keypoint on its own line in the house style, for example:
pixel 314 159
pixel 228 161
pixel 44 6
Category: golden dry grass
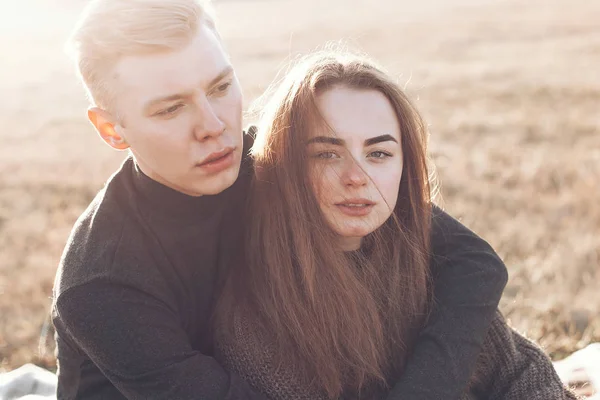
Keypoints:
pixel 511 91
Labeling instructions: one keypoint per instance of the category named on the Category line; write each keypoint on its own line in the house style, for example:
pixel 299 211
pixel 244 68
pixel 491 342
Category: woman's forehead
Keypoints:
pixel 356 114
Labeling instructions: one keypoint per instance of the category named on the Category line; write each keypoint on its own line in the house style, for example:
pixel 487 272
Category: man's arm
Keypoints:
pixel 139 345
pixel 469 278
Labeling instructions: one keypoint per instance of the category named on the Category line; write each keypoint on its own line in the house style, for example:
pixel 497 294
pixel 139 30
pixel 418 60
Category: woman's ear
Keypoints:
pixel 104 123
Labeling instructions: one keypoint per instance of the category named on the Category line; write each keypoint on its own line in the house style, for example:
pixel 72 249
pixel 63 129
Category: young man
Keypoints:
pixel 136 284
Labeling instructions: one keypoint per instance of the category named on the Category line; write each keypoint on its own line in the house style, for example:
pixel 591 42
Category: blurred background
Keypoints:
pixel 510 90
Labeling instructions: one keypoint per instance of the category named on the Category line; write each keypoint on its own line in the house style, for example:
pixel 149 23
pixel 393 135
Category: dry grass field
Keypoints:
pixel 510 89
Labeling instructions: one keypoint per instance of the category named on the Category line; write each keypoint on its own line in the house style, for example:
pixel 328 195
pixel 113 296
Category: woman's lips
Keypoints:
pixel 356 207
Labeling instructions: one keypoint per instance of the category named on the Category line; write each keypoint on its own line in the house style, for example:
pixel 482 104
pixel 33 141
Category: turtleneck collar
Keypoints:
pixel 158 199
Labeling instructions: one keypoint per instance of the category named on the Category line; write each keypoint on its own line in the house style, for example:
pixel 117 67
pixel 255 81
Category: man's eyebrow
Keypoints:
pixel 166 99
pixel 226 71
pixel 179 96
pixel 379 139
pixel 327 140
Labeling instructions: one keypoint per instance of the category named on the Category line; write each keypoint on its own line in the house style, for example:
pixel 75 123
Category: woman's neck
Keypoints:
pixel 350 243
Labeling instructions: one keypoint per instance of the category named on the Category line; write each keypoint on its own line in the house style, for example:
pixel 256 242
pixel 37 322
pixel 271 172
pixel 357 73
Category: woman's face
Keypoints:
pixel 356 166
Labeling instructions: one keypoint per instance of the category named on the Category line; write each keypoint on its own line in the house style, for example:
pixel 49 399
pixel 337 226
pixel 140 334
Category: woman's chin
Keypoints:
pixel 354 229
pixel 350 239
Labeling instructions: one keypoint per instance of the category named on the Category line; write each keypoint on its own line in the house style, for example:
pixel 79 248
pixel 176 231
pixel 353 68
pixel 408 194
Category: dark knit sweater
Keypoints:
pixel 468 281
pixel 510 367
pixel 135 289
pixel 134 293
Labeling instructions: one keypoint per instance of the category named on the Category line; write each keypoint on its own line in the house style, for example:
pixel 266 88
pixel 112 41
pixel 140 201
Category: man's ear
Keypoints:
pixel 104 123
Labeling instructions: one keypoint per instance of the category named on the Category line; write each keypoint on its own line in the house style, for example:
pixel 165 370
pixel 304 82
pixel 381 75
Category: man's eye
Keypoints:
pixel 170 110
pixel 223 88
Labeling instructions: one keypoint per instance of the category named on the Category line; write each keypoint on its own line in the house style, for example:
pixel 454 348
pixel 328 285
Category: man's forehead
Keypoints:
pixel 192 67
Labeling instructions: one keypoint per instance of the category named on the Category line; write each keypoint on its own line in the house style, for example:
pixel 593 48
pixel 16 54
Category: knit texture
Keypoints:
pixel 510 367
pixel 249 352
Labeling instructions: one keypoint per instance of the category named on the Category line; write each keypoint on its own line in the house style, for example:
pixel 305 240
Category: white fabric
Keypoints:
pixel 582 366
pixel 28 382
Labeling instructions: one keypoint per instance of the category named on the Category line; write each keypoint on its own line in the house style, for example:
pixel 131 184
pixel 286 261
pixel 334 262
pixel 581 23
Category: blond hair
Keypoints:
pixel 110 29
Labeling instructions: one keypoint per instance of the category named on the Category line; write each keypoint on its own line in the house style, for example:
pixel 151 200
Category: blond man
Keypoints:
pixel 133 293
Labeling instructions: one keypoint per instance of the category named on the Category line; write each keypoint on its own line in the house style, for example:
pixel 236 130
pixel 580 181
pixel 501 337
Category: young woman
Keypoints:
pixel 336 285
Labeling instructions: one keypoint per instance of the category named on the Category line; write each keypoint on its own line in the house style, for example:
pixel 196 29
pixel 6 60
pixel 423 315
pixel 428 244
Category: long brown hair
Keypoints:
pixel 345 321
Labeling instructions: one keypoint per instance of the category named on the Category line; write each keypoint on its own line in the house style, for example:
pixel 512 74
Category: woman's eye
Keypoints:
pixel 379 154
pixel 326 155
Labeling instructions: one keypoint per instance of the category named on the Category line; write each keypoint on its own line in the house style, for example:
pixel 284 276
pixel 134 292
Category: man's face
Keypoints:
pixel 181 114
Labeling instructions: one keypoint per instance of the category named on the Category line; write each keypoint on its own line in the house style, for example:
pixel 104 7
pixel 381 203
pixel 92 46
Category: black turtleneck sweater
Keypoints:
pixel 134 292
pixel 136 286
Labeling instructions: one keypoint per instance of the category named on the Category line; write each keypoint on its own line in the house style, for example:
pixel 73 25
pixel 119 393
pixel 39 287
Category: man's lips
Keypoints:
pixel 218 161
pixel 212 157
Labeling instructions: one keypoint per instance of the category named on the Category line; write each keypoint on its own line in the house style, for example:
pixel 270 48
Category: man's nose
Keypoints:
pixel 208 124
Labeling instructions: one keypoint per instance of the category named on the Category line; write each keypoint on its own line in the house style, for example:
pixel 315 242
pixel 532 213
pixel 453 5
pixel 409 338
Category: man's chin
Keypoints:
pixel 220 182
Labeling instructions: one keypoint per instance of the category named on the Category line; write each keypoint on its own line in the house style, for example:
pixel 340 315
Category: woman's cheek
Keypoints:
pixel 388 187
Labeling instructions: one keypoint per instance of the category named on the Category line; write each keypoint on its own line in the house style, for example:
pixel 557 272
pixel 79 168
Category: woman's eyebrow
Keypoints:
pixel 340 142
pixel 327 140
pixel 379 139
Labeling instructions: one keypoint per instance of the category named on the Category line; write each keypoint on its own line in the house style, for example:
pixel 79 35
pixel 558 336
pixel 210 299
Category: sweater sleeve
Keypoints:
pixel 468 280
pixel 138 343
pixel 511 367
